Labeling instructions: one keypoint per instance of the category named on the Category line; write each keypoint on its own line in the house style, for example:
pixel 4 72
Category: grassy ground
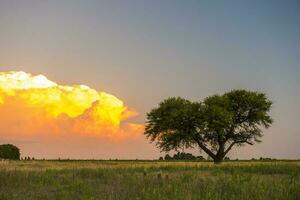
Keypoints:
pixel 148 180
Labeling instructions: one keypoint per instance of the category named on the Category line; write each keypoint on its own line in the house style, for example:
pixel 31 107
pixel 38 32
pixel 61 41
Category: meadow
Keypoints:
pixel 42 179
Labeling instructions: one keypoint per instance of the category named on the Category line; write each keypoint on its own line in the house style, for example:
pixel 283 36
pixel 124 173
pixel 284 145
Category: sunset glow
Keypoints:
pixel 41 105
pixel 79 78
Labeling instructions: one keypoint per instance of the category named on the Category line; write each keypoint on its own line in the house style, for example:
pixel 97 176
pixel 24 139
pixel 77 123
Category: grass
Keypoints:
pixel 149 180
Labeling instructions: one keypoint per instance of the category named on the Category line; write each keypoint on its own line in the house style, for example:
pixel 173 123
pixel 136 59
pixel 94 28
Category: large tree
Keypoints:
pixel 214 125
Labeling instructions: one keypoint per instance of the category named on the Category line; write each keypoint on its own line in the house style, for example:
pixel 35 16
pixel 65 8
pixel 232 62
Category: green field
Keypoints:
pixel 149 180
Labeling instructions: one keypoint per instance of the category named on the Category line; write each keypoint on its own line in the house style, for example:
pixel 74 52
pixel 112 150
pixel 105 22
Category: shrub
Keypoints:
pixel 9 151
pixel 182 156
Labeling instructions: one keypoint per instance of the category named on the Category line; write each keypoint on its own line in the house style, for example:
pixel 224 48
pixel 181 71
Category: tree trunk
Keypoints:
pixel 218 159
pixel 220 154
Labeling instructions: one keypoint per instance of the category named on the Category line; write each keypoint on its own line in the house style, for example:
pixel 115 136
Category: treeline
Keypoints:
pixel 182 156
pixel 28 158
pixel 189 156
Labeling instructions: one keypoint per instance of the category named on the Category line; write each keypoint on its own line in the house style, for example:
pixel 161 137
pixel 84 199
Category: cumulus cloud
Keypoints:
pixel 33 105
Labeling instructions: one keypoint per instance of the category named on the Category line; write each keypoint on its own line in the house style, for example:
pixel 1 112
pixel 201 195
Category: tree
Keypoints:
pixel 226 158
pixel 215 125
pixel 200 158
pixel 9 151
pixel 168 157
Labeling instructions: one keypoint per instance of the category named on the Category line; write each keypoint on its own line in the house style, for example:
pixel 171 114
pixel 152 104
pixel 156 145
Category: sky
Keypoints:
pixel 142 52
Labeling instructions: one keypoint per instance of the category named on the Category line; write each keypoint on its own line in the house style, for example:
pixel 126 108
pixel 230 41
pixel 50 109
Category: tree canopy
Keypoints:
pixel 9 151
pixel 214 125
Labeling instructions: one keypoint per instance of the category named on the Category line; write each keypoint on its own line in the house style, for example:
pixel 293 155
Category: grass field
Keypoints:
pixel 149 180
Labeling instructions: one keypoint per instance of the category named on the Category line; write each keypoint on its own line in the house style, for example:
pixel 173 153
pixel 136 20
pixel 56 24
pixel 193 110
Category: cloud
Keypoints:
pixel 33 106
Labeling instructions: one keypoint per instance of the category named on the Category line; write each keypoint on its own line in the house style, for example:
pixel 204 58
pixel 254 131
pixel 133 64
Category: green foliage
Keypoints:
pixel 173 123
pixel 9 151
pixel 214 125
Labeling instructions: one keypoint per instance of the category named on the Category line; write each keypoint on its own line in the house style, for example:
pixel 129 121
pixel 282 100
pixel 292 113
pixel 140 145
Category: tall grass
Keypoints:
pixel 148 180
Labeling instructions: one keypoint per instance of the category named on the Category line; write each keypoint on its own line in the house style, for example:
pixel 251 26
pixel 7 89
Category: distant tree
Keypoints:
pixel 168 157
pixel 214 125
pixel 200 158
pixel 226 158
pixel 177 156
pixel 9 151
pixel 161 158
pixel 182 156
pixel 265 159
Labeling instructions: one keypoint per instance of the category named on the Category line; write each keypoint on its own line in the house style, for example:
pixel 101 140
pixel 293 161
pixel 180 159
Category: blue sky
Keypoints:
pixel 145 51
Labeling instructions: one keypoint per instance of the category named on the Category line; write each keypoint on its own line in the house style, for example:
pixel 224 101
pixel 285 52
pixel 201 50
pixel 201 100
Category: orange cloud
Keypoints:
pixel 33 105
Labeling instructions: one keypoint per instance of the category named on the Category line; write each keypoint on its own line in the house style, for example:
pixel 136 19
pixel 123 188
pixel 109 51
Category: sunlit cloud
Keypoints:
pixel 32 105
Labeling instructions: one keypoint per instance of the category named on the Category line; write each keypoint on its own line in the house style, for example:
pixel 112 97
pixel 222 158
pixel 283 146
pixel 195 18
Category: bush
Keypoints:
pixel 226 158
pixel 9 151
pixel 183 156
pixel 168 157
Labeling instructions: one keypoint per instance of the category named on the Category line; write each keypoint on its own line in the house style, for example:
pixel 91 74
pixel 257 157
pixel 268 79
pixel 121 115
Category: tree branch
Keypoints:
pixel 228 149
pixel 248 143
pixel 236 142
pixel 205 149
